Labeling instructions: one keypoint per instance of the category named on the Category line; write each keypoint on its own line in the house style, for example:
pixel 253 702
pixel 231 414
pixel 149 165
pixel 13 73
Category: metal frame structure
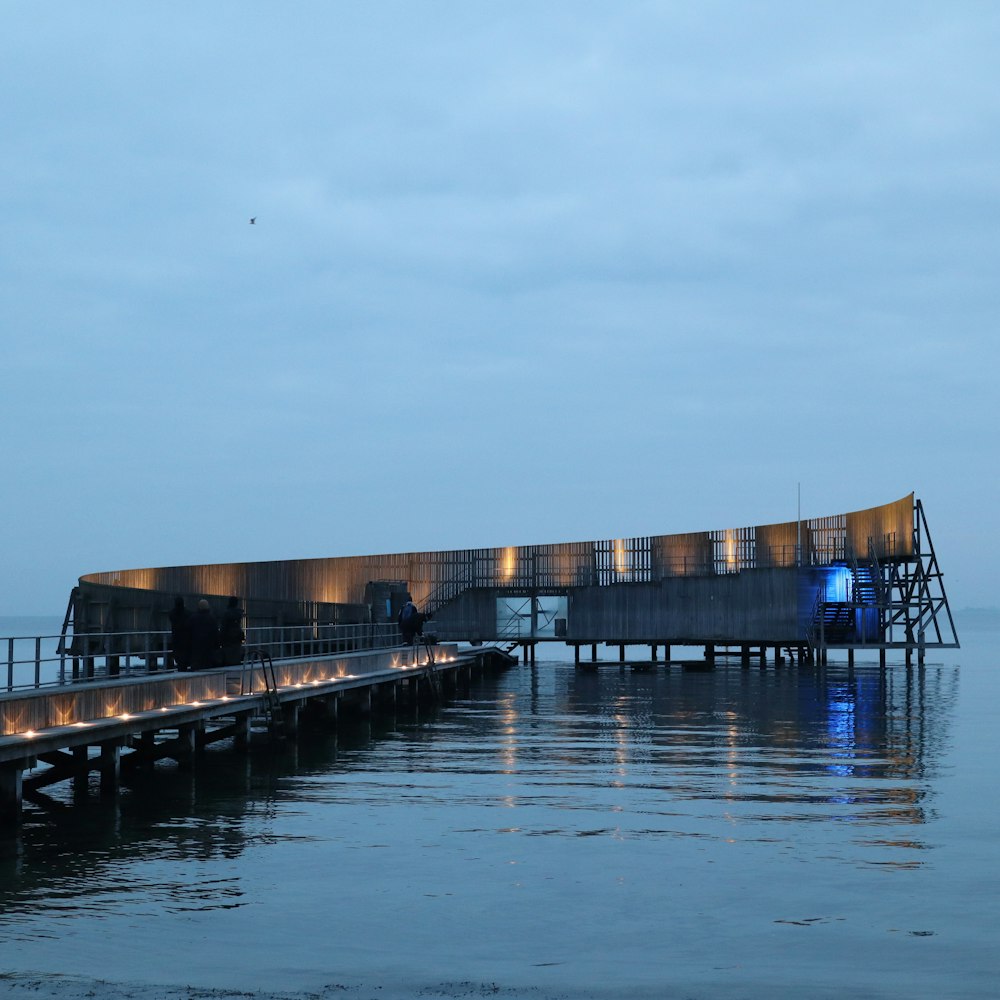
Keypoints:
pixel 906 593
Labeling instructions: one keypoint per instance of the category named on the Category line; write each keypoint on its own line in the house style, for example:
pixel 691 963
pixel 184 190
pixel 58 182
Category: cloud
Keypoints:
pixel 702 251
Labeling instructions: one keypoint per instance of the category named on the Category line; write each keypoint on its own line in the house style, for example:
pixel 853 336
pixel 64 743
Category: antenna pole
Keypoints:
pixel 798 526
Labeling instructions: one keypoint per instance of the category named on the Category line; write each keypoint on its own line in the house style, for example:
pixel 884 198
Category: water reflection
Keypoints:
pixel 775 757
pixel 787 745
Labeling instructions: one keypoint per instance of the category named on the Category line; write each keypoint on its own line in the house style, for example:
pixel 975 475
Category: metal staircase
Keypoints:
pixel 896 601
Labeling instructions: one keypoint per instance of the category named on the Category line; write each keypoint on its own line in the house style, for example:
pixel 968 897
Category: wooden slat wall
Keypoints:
pixel 342 580
pixel 776 543
pixel 756 606
pixel 889 527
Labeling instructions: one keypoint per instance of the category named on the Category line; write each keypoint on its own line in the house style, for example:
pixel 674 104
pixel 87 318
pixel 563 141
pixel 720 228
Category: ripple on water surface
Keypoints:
pixel 563 815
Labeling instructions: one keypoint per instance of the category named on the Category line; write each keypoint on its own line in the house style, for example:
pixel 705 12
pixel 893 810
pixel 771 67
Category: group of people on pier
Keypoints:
pixel 199 641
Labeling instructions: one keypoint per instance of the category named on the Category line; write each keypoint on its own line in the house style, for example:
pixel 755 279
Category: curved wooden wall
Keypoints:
pixel 885 531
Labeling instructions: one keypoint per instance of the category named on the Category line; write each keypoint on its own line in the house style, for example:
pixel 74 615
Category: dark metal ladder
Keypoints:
pixel 273 716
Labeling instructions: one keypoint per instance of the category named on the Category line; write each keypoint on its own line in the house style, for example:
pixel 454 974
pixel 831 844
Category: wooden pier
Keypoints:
pixel 65 732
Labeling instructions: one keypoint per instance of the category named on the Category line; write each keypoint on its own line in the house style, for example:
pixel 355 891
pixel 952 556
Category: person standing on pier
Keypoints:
pixel 204 638
pixel 231 630
pixel 180 635
pixel 411 622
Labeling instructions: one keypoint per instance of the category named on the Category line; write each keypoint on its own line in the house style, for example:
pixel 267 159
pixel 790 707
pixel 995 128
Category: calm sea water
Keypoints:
pixel 742 833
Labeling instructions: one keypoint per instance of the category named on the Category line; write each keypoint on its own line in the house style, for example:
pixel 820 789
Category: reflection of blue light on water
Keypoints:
pixel 841 726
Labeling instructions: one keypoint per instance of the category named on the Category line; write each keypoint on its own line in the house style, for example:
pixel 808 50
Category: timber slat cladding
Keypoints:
pixel 671 586
pixel 342 580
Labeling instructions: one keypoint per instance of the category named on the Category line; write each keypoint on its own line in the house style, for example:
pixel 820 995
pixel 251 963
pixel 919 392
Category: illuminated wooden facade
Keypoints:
pixel 868 578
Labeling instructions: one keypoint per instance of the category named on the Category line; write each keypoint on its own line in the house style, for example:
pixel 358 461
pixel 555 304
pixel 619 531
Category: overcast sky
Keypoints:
pixel 522 272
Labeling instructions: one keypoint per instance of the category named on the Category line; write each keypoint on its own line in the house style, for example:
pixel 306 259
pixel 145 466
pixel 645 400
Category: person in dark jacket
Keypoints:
pixel 204 638
pixel 411 622
pixel 231 633
pixel 180 635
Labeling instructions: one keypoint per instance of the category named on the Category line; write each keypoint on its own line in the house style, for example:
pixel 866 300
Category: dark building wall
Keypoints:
pixel 771 605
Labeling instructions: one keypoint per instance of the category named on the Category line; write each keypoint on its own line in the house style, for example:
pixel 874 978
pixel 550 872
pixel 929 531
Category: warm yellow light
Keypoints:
pixel 621 557
pixel 124 715
pixel 730 549
pixel 508 563
pixel 196 704
pixel 80 725
pixel 30 734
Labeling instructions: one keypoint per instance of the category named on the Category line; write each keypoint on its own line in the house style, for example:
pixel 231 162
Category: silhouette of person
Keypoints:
pixel 180 635
pixel 411 622
pixel 231 633
pixel 204 638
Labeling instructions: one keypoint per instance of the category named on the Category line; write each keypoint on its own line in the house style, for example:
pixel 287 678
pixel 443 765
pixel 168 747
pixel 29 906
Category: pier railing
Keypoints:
pixel 52 660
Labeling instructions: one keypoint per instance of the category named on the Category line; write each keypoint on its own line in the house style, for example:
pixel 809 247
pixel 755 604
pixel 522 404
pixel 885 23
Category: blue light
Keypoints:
pixel 837 583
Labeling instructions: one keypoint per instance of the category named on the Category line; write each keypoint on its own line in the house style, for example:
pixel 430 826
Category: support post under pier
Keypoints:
pixel 110 768
pixel 10 790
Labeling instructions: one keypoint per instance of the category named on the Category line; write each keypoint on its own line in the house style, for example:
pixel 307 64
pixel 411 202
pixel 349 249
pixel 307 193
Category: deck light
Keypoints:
pixel 30 734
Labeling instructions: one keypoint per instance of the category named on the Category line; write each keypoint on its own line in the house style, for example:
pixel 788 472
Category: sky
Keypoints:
pixel 520 273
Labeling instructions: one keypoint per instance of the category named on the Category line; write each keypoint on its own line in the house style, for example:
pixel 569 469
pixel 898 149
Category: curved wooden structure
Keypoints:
pixel 868 578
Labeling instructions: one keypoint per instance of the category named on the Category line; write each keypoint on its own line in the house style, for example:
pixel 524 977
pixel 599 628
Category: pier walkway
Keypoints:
pixel 64 733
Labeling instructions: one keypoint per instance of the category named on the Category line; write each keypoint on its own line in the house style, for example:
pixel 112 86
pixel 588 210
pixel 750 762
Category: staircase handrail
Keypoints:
pixel 877 580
